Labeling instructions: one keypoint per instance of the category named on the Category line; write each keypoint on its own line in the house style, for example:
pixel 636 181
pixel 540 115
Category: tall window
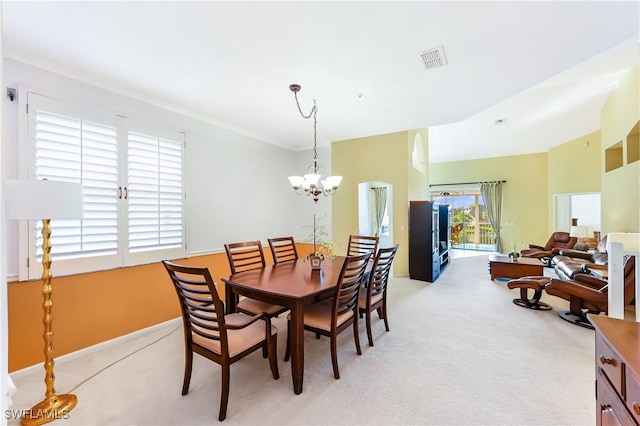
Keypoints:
pixel 132 185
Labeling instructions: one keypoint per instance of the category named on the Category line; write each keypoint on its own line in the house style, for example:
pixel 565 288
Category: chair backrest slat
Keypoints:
pixel 245 256
pixel 283 249
pixel 361 244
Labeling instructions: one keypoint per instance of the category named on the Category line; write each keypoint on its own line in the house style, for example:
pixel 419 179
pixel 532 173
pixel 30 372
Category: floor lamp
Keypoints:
pixel 46 200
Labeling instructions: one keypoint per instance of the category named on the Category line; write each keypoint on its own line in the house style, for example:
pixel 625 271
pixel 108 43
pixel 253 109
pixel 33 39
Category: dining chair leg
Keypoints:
pixel 273 356
pixel 369 333
pixel 188 363
pixel 356 335
pixel 384 315
pixel 224 395
pixel 334 356
pixel 287 349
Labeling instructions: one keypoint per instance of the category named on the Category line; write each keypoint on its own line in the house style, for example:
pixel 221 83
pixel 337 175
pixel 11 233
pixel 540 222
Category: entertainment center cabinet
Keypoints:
pixel 429 239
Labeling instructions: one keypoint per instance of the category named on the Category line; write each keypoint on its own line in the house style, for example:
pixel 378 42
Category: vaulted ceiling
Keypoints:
pixel 541 70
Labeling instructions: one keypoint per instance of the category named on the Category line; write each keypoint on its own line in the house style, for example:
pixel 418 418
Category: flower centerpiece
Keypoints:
pixel 323 247
pixel 514 254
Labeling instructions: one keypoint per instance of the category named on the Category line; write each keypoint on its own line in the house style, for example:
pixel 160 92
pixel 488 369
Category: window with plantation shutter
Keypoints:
pixel 131 175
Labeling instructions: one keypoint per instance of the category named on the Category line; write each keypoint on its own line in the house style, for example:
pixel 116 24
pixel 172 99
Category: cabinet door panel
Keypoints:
pixel 611 411
pixel 633 394
pixel 609 361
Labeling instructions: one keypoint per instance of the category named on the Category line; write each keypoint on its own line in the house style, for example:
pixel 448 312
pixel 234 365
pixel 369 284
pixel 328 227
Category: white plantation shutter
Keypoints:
pixel 73 150
pixel 58 156
pixel 154 192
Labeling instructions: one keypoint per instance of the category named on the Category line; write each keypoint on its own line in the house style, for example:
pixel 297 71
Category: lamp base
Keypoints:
pixel 51 408
pixel 581 246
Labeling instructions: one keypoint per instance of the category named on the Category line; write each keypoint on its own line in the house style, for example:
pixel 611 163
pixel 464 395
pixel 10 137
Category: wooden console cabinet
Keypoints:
pixel 617 371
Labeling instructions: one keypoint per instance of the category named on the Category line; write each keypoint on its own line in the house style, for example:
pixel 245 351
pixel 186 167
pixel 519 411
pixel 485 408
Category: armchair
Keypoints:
pixel 589 294
pixel 557 240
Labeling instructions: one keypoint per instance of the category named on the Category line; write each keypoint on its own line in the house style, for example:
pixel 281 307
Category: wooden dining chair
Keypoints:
pixel 283 249
pixel 224 339
pixel 245 256
pixel 374 294
pixel 332 316
pixel 361 244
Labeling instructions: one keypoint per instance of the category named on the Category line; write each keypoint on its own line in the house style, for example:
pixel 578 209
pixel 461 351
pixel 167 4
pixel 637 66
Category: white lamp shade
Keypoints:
pixel 312 178
pixel 42 199
pixel 334 181
pixel 581 231
pixel 296 181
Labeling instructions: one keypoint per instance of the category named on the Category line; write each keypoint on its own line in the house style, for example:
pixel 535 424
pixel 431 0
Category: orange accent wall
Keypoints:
pixel 92 308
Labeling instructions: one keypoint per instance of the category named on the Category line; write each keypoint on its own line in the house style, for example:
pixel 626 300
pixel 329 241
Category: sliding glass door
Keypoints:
pixel 470 227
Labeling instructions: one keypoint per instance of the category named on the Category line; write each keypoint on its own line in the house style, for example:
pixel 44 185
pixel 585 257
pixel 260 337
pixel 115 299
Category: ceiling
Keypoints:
pixel 543 68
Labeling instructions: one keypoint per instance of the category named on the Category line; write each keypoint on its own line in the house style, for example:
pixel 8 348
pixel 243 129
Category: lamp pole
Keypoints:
pixel 53 406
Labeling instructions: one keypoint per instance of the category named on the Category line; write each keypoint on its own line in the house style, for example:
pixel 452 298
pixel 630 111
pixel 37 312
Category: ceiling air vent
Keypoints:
pixel 434 58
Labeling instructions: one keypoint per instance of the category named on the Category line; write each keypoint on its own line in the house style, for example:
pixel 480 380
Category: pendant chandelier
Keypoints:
pixel 311 183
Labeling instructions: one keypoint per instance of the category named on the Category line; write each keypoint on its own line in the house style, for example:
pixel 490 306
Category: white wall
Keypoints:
pixel 4 333
pixel 236 185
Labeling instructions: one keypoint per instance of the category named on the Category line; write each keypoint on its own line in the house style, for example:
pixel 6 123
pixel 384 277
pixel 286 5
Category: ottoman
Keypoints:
pixel 535 283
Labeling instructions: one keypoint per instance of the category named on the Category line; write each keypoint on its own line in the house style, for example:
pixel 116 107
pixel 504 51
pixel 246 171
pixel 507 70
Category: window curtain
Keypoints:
pixel 379 202
pixel 492 195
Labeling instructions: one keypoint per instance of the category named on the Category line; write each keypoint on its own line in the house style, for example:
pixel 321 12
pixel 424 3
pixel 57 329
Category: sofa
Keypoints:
pixel 569 262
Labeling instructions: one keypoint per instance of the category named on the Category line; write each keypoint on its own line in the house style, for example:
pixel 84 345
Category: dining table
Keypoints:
pixel 293 284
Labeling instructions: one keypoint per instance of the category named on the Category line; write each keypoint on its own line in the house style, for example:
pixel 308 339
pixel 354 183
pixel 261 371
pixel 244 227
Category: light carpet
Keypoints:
pixel 459 353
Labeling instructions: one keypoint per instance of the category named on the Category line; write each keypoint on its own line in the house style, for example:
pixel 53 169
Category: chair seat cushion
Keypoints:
pixel 239 340
pixel 318 315
pixel 257 307
pixel 362 300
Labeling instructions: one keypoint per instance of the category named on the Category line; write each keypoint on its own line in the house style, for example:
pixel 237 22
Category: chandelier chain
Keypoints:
pixel 313 113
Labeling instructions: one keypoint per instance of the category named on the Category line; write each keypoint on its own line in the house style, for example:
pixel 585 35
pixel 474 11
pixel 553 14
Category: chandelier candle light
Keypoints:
pixel 311 183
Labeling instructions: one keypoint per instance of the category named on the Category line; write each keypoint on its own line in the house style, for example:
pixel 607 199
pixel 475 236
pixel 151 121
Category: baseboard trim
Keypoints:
pixel 94 348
